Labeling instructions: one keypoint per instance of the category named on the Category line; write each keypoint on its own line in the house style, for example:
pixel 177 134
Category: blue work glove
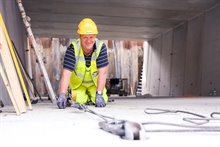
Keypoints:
pixel 61 101
pixel 99 100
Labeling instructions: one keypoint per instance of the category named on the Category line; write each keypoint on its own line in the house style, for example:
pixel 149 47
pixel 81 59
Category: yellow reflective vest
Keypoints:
pixel 79 70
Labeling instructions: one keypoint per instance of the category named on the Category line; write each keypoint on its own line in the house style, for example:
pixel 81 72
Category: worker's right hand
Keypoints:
pixel 61 101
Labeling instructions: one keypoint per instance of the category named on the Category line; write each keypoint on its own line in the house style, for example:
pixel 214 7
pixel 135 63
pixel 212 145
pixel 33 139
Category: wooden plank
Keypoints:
pixel 34 44
pixel 6 83
pixel 11 72
pixel 15 61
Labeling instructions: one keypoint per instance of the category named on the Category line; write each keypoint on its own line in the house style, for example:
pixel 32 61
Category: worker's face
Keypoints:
pixel 88 41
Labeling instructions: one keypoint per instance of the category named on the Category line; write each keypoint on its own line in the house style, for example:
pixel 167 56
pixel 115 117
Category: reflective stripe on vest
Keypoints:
pixel 80 65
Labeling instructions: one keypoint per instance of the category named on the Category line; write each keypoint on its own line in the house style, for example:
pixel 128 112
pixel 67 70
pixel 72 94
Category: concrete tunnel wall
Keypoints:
pixel 185 61
pixel 15 28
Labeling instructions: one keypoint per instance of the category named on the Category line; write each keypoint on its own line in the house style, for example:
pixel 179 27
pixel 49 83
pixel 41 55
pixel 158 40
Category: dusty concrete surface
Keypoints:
pixel 47 125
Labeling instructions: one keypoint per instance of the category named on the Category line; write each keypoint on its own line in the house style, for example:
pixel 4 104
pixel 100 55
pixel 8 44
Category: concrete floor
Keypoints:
pixel 47 125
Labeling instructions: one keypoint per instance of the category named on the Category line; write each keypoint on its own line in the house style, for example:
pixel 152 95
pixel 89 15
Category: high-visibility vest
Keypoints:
pixel 79 70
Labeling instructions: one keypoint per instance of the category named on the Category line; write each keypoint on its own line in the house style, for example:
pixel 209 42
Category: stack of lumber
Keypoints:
pixel 10 72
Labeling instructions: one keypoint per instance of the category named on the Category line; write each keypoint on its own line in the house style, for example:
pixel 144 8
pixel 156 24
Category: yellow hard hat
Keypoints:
pixel 87 26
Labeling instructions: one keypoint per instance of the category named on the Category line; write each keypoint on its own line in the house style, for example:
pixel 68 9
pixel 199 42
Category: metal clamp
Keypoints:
pixel 125 129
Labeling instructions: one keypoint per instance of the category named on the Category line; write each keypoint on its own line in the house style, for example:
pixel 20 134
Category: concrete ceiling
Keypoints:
pixel 116 19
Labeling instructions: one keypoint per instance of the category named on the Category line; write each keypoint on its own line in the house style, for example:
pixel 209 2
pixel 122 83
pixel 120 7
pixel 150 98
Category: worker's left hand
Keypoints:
pixel 99 100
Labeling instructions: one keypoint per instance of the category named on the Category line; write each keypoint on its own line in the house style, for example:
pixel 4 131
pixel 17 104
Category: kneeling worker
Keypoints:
pixel 85 68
